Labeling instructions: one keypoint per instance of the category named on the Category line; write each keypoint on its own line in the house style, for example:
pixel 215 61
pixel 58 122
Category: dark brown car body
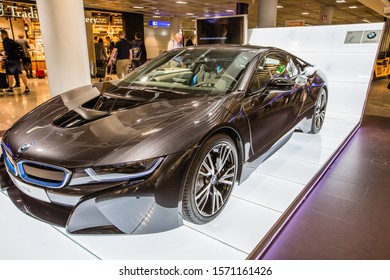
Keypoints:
pixel 51 148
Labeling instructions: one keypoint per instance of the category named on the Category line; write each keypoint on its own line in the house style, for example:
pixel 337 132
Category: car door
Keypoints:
pixel 270 100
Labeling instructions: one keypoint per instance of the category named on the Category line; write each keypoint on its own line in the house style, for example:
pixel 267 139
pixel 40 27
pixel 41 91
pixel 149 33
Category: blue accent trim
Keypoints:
pixel 43 183
pixel 7 162
pixel 194 80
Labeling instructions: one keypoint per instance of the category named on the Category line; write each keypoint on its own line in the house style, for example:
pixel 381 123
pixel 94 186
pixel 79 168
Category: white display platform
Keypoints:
pixel 253 209
pixel 255 206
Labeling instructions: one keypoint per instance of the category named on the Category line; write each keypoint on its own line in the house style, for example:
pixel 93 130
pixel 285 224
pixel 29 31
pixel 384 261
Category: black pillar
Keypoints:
pixel 242 8
pixel 133 23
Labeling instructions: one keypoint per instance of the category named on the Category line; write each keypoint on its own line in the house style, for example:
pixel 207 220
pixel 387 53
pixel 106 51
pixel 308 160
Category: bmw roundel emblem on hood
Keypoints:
pixel 26 146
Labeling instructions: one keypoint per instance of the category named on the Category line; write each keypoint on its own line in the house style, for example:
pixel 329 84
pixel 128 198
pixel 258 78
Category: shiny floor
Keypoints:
pixel 228 237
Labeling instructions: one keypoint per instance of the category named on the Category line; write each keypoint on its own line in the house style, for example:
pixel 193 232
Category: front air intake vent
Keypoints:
pixel 109 104
pixel 69 120
pixel 42 174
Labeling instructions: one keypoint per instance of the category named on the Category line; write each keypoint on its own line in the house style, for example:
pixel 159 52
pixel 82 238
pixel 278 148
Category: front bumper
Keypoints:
pixel 132 207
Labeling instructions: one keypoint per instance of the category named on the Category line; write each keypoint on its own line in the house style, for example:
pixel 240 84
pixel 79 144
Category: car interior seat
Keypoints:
pixel 208 72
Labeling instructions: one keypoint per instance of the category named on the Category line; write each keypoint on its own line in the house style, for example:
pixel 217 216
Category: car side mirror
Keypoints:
pixel 280 83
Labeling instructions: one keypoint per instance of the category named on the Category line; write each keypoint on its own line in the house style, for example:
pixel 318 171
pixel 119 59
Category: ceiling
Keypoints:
pixel 292 10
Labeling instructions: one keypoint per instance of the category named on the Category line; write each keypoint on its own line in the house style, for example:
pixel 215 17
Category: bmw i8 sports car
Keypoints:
pixel 168 142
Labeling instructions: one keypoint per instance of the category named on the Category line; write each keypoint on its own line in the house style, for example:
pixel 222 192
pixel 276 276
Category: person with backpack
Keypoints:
pixel 26 60
pixel 14 53
pixel 139 51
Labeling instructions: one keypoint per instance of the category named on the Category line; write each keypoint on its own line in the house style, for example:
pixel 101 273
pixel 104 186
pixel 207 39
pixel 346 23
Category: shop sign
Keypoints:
pixel 17 12
pixel 91 20
pixel 157 23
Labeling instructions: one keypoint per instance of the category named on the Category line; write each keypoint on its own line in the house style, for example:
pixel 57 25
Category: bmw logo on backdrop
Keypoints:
pixel 371 35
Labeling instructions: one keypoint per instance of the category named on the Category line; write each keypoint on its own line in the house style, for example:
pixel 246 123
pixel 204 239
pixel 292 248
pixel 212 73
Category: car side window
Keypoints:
pixel 272 66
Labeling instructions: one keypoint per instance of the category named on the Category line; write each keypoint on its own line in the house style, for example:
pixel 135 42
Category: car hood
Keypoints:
pixel 82 126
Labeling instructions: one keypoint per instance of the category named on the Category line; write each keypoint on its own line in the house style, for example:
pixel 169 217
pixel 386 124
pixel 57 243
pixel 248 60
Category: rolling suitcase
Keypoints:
pixel 3 80
pixel 101 72
pixel 40 73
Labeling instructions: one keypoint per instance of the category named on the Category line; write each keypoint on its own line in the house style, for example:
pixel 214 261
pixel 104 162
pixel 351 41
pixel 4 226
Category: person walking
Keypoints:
pixel 26 60
pixel 100 53
pixel 109 45
pixel 124 55
pixel 190 41
pixel 14 53
pixel 176 42
pixel 138 50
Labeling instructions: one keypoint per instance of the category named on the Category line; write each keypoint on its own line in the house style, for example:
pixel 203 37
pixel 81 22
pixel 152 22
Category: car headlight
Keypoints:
pixel 116 172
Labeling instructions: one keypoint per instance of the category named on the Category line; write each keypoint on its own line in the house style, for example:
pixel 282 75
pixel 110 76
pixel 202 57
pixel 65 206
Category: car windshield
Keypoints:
pixel 192 71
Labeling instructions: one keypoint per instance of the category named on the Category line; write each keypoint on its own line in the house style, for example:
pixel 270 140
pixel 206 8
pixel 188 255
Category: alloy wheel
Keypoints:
pixel 215 179
pixel 319 115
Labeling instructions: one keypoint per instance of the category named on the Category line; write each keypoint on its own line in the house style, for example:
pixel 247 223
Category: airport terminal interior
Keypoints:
pixel 322 196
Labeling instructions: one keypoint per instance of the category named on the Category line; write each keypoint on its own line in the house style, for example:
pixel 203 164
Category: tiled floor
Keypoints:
pixel 379 99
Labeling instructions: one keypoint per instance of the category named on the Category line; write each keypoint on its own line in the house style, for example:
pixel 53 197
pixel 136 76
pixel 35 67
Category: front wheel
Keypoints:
pixel 319 111
pixel 210 179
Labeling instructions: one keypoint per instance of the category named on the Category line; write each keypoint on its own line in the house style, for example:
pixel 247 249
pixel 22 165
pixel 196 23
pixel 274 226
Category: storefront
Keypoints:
pixel 22 19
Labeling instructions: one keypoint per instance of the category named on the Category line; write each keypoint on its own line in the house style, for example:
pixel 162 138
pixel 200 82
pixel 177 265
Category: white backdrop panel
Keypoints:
pixel 347 66
pixel 322 39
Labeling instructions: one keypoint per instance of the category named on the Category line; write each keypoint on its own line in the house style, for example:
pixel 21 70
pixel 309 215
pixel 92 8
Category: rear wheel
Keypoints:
pixel 319 111
pixel 210 179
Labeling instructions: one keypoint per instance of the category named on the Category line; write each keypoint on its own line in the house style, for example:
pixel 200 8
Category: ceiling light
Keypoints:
pixel 189 14
pixel 305 13
pixel 229 11
pixel 279 7
pixel 156 16
pixel 138 7
pixel 367 21
pixel 340 1
pixel 353 7
pixel 181 2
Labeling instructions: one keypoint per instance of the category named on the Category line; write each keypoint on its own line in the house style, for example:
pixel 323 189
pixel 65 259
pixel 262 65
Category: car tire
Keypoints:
pixel 319 112
pixel 210 179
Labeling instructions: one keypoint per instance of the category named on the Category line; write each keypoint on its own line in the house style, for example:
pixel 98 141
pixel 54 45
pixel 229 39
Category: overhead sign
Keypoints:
pixel 292 23
pixel 157 23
